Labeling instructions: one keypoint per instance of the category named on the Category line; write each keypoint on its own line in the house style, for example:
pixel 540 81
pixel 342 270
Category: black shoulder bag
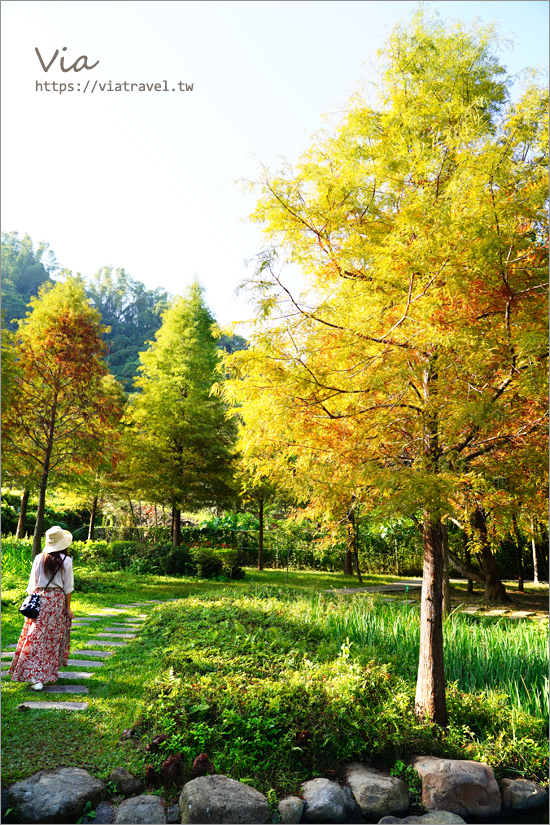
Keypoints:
pixel 31 605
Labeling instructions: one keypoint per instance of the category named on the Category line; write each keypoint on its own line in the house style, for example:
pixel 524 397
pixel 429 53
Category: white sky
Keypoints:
pixel 148 181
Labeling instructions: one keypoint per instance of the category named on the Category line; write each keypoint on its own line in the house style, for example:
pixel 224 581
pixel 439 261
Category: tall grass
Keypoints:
pixel 16 558
pixel 505 655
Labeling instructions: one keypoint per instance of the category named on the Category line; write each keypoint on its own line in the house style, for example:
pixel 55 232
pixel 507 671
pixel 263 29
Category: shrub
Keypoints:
pixel 207 564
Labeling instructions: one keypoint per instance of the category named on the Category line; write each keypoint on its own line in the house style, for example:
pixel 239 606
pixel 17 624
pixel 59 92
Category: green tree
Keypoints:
pixel 420 345
pixel 133 315
pixel 24 271
pixel 59 410
pixel 180 445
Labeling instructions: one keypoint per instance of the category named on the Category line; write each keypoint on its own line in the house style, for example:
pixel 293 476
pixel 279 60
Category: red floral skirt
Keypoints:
pixel 44 643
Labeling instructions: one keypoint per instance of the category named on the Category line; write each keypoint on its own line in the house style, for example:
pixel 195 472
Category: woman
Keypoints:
pixel 44 643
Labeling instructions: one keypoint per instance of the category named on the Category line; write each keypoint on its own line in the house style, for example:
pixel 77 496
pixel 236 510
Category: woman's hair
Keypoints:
pixel 53 562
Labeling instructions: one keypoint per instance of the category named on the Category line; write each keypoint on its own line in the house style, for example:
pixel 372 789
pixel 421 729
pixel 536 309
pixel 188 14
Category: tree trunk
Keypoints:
pixel 468 557
pixel 39 526
pixel 21 531
pixel 261 533
pixel 447 607
pixel 494 589
pixel 348 562
pixel 356 551
pixel 92 520
pixel 519 552
pixel 350 544
pixel 535 557
pixel 430 684
pixel 133 512
pixel 176 527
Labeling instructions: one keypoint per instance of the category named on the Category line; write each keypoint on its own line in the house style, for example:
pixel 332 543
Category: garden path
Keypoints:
pixel 113 635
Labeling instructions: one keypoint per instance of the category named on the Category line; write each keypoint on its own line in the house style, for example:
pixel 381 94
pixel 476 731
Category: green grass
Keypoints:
pixel 278 683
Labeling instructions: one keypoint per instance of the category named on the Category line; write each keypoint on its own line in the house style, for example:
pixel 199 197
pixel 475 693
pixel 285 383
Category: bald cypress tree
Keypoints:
pixel 180 442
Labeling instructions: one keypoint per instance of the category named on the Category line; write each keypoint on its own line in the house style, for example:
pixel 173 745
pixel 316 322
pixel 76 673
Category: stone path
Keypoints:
pixel 113 636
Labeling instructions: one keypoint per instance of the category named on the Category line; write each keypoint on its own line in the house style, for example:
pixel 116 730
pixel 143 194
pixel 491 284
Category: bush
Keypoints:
pixel 207 564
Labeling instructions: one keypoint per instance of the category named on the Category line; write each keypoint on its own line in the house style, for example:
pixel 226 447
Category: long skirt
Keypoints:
pixel 44 643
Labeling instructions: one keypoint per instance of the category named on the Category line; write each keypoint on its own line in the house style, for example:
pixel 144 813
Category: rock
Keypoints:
pixel 173 814
pixel 376 794
pixel 324 800
pixel 460 786
pixel 104 814
pixel 218 799
pixel 522 795
pixel 55 796
pixel 125 782
pixel 140 810
pixel 435 818
pixel 290 810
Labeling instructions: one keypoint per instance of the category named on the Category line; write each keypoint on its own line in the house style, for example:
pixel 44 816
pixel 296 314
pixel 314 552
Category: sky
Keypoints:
pixel 154 181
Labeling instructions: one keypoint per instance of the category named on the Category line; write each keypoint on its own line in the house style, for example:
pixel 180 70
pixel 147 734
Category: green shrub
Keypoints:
pixel 207 564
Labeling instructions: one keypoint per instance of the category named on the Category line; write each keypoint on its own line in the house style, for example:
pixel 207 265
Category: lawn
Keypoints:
pixel 278 683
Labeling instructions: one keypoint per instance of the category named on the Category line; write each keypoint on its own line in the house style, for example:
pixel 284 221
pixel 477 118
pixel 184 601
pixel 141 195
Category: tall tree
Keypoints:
pixel 180 443
pixel 420 346
pixel 59 409
pixel 24 270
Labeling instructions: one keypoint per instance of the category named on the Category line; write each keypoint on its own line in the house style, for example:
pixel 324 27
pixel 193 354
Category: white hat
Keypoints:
pixel 57 539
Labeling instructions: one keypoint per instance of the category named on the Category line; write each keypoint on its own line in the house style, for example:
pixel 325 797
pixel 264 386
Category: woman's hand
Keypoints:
pixel 70 614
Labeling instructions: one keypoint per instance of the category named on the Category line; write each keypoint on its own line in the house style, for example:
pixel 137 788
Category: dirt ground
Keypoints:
pixel 533 599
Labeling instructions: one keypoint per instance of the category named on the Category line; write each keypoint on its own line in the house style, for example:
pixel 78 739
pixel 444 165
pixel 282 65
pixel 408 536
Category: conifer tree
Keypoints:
pixel 420 345
pixel 58 411
pixel 180 444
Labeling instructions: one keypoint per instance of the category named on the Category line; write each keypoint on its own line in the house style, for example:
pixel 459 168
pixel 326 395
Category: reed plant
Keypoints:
pixel 481 654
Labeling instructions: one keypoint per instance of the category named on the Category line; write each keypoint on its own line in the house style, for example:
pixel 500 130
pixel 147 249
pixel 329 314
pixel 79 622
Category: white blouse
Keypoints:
pixel 64 578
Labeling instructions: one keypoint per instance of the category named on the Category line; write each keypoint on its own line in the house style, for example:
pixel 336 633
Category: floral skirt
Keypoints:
pixel 44 643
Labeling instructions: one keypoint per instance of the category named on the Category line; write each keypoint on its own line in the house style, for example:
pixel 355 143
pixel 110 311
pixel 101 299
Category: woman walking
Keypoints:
pixel 44 643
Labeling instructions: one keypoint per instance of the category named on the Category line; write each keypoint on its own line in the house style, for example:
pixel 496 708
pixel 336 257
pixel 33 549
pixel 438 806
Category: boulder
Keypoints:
pixel 324 801
pixel 435 818
pixel 125 782
pixel 290 810
pixel 140 810
pixel 460 786
pixel 173 814
pixel 220 800
pixel 55 796
pixel 104 814
pixel 376 794
pixel 522 795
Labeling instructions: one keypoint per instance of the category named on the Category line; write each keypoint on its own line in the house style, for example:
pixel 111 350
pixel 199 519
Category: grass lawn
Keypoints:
pixel 280 683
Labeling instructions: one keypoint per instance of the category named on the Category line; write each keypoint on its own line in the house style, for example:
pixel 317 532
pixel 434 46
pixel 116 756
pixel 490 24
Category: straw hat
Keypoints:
pixel 57 539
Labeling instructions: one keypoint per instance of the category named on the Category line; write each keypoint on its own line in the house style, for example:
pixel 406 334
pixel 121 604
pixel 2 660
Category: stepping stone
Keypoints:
pixel 101 654
pixel 107 643
pixel 75 674
pixel 118 635
pixel 8 655
pixel 87 619
pixel 139 604
pixel 495 612
pixel 126 606
pixel 12 646
pixel 65 689
pixel 52 706
pixel 117 628
pixel 518 614
pixel 469 611
pixel 83 663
